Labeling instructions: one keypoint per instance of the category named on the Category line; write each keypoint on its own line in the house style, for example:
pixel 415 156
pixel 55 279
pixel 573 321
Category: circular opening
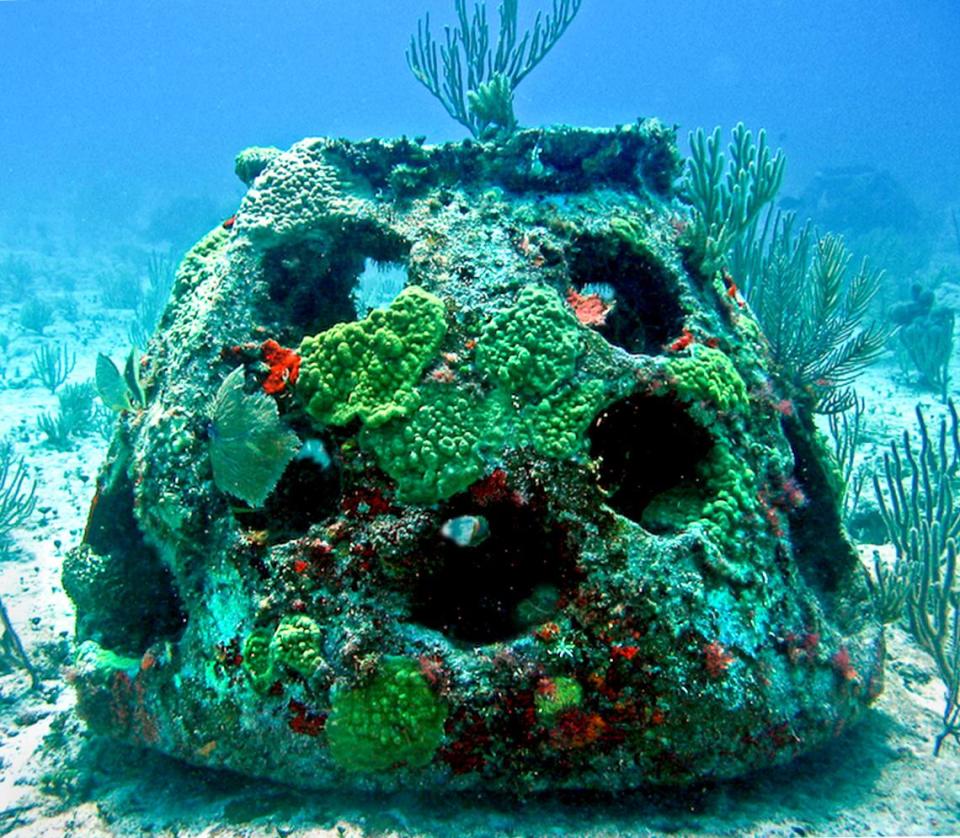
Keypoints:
pixel 646 445
pixel 313 287
pixel 646 313
pixel 491 573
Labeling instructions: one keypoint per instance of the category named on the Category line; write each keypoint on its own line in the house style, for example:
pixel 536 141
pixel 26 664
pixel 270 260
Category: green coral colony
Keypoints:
pixel 535 522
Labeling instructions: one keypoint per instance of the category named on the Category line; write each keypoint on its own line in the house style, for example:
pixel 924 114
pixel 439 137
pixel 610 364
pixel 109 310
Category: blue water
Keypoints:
pixel 116 110
pixel 121 119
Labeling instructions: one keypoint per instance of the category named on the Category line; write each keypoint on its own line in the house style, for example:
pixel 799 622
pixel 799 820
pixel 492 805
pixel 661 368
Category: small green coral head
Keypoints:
pixel 298 644
pixel 368 369
pixel 395 719
pixel 257 660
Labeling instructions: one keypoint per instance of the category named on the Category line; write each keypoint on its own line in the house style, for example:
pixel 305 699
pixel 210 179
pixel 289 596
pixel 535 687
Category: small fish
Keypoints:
pixel 466 530
pixel 315 450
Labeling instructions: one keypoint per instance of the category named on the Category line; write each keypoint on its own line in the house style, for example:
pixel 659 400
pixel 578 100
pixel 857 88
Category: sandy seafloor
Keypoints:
pixel 878 778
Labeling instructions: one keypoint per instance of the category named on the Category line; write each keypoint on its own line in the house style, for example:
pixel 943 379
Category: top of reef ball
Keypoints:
pixel 462 465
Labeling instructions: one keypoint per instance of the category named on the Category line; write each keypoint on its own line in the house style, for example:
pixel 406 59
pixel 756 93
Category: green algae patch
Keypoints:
pixel 368 369
pixel 394 719
pixel 556 696
pixel 105 662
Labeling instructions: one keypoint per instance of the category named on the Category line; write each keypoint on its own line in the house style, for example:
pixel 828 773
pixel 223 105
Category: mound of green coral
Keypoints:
pixel 367 369
pixel 394 720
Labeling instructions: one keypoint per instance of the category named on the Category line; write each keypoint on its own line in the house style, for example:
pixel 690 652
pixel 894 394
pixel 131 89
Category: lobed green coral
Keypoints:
pixel 533 345
pixel 556 424
pixel 436 451
pixel 394 719
pixel 708 375
pixel 723 500
pixel 731 487
pixel 297 644
pixel 368 369
pixel 431 440
pixel 257 662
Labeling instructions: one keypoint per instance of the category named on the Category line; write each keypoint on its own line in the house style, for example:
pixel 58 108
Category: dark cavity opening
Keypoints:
pixel 307 493
pixel 314 285
pixel 646 445
pixel 646 313
pixel 130 600
pixel 501 586
pixel 824 557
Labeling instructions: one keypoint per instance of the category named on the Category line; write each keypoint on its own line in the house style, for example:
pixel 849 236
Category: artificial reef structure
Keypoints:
pixel 447 466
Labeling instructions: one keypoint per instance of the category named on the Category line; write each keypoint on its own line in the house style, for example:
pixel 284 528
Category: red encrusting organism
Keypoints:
pixel 590 309
pixel 366 503
pixel 716 659
pixel 284 367
pixel 682 342
pixel 733 293
pixel 626 652
pixel 303 721
pixel 843 666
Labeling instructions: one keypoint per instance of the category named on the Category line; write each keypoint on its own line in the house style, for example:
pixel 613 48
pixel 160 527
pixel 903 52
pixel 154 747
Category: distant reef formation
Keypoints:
pixel 447 469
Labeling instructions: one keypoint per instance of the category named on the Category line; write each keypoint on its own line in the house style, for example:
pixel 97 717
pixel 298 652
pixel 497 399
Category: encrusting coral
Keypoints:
pixel 395 719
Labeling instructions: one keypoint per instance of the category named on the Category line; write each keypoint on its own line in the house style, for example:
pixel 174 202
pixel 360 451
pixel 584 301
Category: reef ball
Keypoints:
pixel 454 470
